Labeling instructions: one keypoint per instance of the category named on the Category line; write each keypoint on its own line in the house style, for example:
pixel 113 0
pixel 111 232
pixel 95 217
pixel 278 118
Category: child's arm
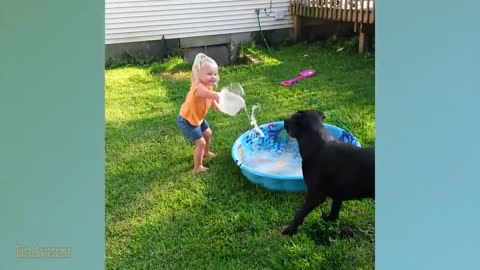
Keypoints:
pixel 215 105
pixel 204 92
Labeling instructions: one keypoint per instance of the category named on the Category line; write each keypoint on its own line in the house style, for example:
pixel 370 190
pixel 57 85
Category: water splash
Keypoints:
pixel 237 89
pixel 253 122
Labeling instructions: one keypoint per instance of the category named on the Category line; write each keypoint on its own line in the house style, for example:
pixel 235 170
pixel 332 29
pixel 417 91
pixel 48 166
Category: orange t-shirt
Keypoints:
pixel 195 107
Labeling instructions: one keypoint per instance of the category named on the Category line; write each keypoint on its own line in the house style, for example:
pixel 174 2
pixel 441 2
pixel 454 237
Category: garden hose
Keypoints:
pixel 261 32
pixel 324 109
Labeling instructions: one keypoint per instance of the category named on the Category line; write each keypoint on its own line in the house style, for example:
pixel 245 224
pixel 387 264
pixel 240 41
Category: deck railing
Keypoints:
pixel 357 11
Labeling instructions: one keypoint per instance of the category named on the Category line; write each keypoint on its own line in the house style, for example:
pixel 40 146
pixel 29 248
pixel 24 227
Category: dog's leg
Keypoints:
pixel 311 202
pixel 334 211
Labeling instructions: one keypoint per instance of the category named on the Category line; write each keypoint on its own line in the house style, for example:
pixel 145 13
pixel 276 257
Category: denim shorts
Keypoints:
pixel 191 133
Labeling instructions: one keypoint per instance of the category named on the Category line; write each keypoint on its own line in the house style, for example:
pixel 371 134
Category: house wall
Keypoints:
pixel 158 28
pixel 128 21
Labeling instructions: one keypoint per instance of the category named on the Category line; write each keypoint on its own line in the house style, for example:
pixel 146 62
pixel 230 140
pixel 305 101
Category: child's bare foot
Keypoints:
pixel 200 169
pixel 209 155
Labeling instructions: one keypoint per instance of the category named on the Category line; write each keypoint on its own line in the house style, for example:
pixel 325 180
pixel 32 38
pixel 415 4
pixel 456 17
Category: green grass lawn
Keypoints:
pixel 159 215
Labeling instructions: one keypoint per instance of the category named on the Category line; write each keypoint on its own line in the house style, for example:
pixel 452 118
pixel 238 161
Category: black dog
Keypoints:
pixel 331 168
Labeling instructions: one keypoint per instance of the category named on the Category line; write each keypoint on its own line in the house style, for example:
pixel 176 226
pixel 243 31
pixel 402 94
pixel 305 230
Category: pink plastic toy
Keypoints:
pixel 303 74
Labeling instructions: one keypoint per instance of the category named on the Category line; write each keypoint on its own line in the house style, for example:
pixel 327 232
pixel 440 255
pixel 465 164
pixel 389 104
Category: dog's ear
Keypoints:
pixel 322 115
pixel 301 112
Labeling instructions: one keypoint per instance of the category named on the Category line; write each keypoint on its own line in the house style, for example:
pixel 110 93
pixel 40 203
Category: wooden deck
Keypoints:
pixel 358 12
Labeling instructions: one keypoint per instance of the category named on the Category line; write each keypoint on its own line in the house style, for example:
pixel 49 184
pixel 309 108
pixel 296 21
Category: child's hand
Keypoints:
pixel 215 106
pixel 216 97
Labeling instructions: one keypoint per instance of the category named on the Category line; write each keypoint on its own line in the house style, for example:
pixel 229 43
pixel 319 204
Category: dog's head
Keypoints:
pixel 303 122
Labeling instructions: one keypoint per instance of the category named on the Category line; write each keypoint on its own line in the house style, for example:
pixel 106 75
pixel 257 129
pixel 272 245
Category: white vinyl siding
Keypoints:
pixel 145 20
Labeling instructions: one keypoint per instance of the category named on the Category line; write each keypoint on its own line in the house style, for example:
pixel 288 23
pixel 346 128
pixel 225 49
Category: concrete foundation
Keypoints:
pixel 225 48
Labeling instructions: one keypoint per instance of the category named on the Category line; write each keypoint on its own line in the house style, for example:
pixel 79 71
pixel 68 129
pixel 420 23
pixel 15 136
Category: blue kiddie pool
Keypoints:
pixel 274 161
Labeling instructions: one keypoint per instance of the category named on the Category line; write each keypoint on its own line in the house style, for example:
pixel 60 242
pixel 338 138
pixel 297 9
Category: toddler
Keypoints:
pixel 201 96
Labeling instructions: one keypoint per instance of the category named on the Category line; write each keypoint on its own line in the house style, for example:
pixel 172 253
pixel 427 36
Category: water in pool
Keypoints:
pixel 282 164
pixel 277 155
pixel 273 154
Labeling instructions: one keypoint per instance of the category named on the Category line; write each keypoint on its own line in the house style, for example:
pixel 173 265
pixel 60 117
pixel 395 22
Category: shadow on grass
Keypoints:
pixel 238 230
pixel 326 233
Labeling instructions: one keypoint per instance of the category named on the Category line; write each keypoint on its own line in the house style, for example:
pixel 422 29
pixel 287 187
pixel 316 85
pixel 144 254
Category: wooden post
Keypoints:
pixel 361 40
pixel 297 24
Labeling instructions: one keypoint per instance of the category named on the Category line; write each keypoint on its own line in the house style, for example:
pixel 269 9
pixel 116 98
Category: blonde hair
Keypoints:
pixel 200 61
